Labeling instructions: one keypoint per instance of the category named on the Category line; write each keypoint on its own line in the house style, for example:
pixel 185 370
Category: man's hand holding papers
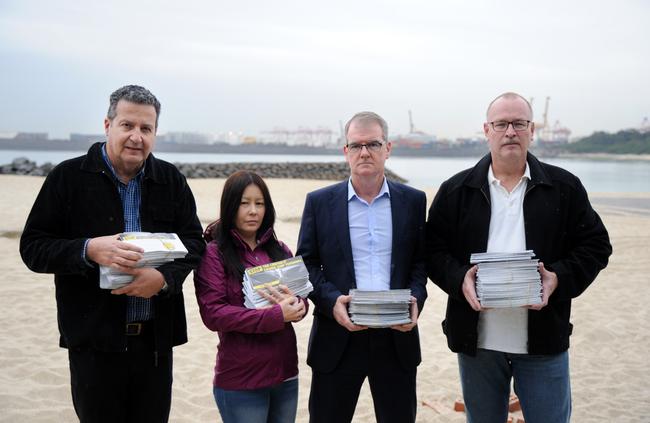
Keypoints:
pixel 340 313
pixel 119 267
pixel 147 282
pixel 549 283
pixel 469 288
pixel 508 279
pixel 110 250
pixel 383 309
pixel 406 327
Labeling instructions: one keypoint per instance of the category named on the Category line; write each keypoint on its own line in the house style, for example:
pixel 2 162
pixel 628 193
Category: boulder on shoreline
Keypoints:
pixel 24 166
pixel 334 171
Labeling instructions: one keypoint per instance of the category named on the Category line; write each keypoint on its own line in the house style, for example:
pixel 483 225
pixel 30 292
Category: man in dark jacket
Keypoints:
pixel 512 202
pixel 119 342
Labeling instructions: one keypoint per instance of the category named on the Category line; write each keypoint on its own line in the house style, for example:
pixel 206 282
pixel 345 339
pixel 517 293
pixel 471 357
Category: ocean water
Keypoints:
pixel 421 172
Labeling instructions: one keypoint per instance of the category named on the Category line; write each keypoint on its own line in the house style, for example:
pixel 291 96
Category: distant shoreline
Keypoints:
pixel 222 148
pixel 604 156
pixel 440 151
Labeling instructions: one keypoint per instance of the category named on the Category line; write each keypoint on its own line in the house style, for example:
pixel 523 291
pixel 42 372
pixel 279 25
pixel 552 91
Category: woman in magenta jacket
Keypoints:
pixel 256 375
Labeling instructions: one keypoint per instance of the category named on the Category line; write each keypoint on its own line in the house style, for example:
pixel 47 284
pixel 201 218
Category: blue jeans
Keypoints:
pixel 275 404
pixel 540 381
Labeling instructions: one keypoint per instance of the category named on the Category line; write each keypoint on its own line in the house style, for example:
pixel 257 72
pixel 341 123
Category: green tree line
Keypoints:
pixel 628 141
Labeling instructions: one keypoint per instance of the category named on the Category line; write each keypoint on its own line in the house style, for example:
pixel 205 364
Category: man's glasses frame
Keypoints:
pixel 372 146
pixel 517 125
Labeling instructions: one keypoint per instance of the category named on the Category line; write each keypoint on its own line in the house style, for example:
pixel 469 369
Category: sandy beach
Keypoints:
pixel 610 369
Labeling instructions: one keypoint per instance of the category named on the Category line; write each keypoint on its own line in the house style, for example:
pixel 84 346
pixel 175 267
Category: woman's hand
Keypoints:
pixel 276 295
pixel 293 309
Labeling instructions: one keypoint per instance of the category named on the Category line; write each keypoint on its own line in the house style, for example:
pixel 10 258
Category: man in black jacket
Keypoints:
pixel 511 202
pixel 119 342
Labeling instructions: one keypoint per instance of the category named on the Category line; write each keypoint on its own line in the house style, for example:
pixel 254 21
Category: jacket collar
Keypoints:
pixel 266 236
pixel 94 162
pixel 107 162
pixel 477 177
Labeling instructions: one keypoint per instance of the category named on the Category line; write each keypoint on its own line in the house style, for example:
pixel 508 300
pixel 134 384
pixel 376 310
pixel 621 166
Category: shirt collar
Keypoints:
pixel 112 169
pixel 383 191
pixel 493 180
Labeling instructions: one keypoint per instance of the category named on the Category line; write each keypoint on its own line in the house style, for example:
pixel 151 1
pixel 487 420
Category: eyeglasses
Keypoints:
pixel 517 125
pixel 373 146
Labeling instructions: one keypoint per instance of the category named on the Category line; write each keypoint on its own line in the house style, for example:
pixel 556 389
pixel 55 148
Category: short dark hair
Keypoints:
pixel 133 94
pixel 365 118
pixel 231 196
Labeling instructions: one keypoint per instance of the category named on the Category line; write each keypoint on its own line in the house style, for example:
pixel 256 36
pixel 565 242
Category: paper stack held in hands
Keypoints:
pixel 159 248
pixel 507 279
pixel 380 309
pixel 290 272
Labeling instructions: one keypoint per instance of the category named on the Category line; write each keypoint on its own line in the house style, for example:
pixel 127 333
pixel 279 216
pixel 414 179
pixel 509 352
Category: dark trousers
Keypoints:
pixel 131 386
pixel 369 353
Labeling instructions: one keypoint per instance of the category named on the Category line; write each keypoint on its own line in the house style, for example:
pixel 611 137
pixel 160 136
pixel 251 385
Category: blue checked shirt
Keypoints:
pixel 138 309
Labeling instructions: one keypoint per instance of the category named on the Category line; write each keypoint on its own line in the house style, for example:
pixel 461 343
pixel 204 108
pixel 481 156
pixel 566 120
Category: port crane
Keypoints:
pixel 547 134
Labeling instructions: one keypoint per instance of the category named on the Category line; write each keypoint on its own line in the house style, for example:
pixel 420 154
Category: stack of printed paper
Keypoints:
pixel 507 279
pixel 290 272
pixel 158 248
pixel 379 309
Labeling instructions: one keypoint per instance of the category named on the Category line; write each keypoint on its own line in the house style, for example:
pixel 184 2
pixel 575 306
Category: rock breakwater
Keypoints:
pixel 334 171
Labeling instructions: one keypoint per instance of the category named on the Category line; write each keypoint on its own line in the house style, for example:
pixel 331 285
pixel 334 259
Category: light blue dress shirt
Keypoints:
pixel 138 309
pixel 371 236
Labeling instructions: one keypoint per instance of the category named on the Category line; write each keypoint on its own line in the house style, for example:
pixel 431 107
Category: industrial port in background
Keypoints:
pixel 550 138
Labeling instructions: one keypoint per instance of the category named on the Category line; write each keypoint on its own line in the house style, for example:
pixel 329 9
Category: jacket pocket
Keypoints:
pixel 162 216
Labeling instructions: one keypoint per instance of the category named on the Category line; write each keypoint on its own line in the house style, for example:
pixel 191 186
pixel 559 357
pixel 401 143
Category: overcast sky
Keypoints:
pixel 251 66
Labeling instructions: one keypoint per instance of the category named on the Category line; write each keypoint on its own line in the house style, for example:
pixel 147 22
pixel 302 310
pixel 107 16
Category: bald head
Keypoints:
pixel 509 96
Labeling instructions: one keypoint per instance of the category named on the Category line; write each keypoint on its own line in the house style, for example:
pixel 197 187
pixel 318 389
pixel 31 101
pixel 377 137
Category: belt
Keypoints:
pixel 136 328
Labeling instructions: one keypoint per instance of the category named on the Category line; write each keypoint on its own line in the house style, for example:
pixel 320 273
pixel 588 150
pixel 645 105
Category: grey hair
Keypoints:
pixel 510 95
pixel 365 118
pixel 133 94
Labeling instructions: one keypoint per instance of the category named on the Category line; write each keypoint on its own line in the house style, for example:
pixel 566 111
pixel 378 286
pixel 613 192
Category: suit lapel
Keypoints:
pixel 341 225
pixel 399 217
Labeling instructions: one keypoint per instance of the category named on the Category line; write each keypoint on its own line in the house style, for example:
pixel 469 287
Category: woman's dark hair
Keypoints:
pixel 230 201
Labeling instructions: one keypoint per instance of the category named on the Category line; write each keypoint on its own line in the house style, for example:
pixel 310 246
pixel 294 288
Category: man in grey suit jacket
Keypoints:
pixel 365 233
